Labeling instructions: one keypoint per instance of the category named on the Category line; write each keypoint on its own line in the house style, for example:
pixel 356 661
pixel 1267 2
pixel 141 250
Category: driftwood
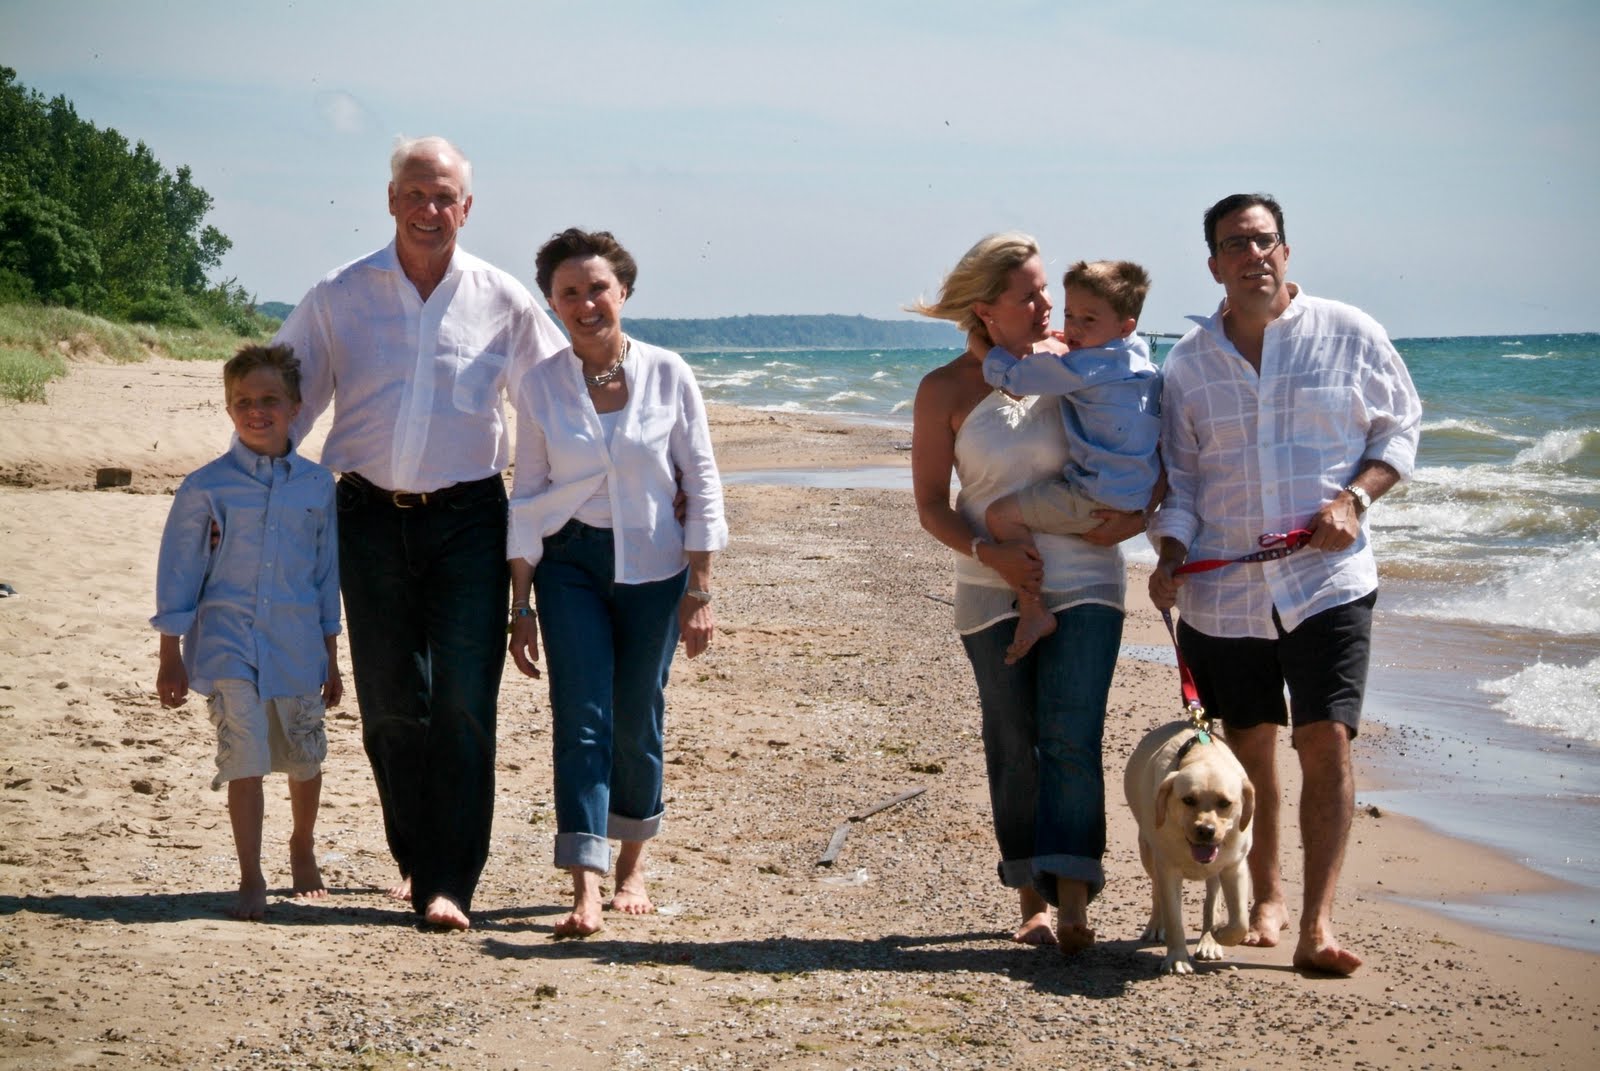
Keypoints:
pixel 836 843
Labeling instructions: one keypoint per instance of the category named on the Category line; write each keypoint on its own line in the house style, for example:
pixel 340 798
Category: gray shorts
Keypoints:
pixel 1053 506
pixel 256 737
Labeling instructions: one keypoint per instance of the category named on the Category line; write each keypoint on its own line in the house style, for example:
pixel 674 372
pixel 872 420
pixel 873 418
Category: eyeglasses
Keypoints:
pixel 1261 243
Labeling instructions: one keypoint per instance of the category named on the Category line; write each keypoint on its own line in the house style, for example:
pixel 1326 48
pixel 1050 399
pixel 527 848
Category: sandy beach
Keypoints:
pixel 836 682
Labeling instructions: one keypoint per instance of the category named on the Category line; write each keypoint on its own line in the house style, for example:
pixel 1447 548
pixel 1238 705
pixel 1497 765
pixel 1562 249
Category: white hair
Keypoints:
pixel 406 148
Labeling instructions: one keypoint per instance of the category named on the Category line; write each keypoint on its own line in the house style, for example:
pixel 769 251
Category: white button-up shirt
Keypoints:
pixel 416 384
pixel 1248 454
pixel 563 458
pixel 259 605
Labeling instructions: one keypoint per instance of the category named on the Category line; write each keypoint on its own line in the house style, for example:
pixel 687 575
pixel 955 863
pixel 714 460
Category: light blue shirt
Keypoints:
pixel 1111 406
pixel 259 606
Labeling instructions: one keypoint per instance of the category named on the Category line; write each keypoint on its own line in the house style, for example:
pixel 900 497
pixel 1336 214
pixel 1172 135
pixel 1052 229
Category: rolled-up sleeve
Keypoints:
pixel 1394 412
pixel 705 525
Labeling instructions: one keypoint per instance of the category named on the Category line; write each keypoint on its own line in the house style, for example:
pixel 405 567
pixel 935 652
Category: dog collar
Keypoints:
pixel 1200 737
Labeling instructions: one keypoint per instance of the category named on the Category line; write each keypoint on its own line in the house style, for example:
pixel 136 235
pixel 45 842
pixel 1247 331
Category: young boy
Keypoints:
pixel 1110 402
pixel 249 578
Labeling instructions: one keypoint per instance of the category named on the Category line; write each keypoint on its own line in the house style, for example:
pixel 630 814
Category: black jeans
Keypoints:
pixel 426 592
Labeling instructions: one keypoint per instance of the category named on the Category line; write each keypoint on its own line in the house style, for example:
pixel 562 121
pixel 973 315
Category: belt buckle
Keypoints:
pixel 408 499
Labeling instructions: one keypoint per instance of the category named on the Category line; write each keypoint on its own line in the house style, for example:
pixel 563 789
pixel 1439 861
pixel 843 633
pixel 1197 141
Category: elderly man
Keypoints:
pixel 418 342
pixel 1281 411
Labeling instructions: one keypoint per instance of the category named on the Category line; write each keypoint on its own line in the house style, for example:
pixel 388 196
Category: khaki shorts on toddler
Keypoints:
pixel 256 737
pixel 1053 506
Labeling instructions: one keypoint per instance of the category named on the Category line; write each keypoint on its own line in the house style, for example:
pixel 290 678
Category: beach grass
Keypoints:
pixel 24 373
pixel 38 339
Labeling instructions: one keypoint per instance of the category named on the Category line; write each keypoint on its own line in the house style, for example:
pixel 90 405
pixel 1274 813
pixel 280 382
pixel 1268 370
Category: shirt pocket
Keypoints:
pixel 477 379
pixel 1329 418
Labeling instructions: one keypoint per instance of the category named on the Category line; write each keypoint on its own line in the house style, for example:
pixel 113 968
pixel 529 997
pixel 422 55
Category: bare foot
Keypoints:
pixel 1074 937
pixel 400 890
pixel 585 917
pixel 306 875
pixel 1326 959
pixel 631 897
pixel 251 903
pixel 1035 929
pixel 1034 623
pixel 445 912
pixel 1267 919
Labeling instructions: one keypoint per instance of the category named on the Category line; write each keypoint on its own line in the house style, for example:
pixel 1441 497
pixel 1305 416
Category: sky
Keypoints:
pixel 1437 161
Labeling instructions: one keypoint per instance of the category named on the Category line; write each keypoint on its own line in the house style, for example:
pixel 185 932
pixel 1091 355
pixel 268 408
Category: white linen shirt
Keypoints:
pixel 416 385
pixel 259 605
pixel 563 458
pixel 1248 454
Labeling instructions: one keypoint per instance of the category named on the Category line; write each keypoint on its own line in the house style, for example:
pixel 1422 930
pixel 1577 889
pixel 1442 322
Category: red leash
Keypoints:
pixel 1274 545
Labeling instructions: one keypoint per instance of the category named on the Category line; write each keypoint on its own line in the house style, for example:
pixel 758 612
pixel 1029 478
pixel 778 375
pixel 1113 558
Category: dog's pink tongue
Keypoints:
pixel 1203 853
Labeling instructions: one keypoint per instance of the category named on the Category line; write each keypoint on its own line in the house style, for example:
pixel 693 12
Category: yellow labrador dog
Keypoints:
pixel 1193 804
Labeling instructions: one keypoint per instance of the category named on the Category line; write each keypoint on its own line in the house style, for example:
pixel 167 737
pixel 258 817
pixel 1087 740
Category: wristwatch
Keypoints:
pixel 699 594
pixel 1363 500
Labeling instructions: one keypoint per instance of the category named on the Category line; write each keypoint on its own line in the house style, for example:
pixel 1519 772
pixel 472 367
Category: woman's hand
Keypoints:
pixel 1115 526
pixel 524 645
pixel 695 625
pixel 1018 564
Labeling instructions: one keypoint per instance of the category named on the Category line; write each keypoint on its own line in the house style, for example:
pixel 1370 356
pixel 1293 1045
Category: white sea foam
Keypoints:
pixel 1557 446
pixel 1557 592
pixel 1547 696
pixel 850 396
pixel 1471 427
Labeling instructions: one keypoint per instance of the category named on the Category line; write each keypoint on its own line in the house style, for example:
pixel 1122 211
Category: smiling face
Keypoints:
pixel 1020 316
pixel 587 297
pixel 261 410
pixel 1256 282
pixel 1091 321
pixel 429 204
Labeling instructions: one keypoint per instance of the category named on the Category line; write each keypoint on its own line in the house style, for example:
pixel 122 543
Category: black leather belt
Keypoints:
pixel 415 499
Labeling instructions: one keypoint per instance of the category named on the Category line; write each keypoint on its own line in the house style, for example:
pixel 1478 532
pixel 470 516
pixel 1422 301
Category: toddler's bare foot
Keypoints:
pixel 307 876
pixel 1033 625
pixel 400 890
pixel 251 903
pixel 446 913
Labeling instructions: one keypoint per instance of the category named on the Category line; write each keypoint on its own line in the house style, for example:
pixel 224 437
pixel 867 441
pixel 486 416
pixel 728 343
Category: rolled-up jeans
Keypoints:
pixel 608 648
pixel 426 590
pixel 1043 723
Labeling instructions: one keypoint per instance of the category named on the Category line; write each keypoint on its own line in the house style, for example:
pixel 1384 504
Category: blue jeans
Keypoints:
pixel 608 648
pixel 426 592
pixel 1043 721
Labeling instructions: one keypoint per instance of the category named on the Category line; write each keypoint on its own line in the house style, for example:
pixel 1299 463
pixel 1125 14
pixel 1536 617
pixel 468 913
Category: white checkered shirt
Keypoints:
pixel 1249 454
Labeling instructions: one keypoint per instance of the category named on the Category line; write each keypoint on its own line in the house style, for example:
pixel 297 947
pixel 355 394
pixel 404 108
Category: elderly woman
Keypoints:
pixel 1043 716
pixel 608 431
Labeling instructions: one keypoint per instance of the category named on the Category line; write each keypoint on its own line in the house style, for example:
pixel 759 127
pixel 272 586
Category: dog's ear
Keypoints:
pixel 1164 797
pixel 1247 809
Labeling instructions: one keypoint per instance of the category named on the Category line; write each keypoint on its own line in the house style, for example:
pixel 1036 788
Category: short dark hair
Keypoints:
pixel 1236 202
pixel 573 242
pixel 279 358
pixel 1122 284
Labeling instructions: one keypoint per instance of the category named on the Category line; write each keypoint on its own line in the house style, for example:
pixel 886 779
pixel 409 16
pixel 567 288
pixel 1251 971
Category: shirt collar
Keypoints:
pixel 1213 323
pixel 251 462
pixel 388 259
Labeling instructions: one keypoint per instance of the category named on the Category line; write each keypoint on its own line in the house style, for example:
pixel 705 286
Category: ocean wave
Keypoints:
pixel 850 396
pixel 1556 591
pixel 1565 699
pixel 1470 427
pixel 1558 446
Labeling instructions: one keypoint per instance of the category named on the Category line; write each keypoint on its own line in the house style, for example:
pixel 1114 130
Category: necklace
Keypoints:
pixel 614 371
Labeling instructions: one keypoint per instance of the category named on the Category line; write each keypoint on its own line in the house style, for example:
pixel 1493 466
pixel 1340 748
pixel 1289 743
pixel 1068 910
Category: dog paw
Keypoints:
pixel 1178 964
pixel 1208 948
pixel 1153 934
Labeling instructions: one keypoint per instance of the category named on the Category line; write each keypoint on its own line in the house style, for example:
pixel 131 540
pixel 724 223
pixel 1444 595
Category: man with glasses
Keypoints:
pixel 1281 411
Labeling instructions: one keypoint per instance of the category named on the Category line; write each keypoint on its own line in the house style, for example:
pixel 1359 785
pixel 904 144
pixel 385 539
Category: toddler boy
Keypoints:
pixel 1110 403
pixel 249 578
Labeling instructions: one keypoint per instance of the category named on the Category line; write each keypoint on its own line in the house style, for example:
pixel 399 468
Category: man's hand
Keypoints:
pixel 1164 578
pixel 524 645
pixel 1336 525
